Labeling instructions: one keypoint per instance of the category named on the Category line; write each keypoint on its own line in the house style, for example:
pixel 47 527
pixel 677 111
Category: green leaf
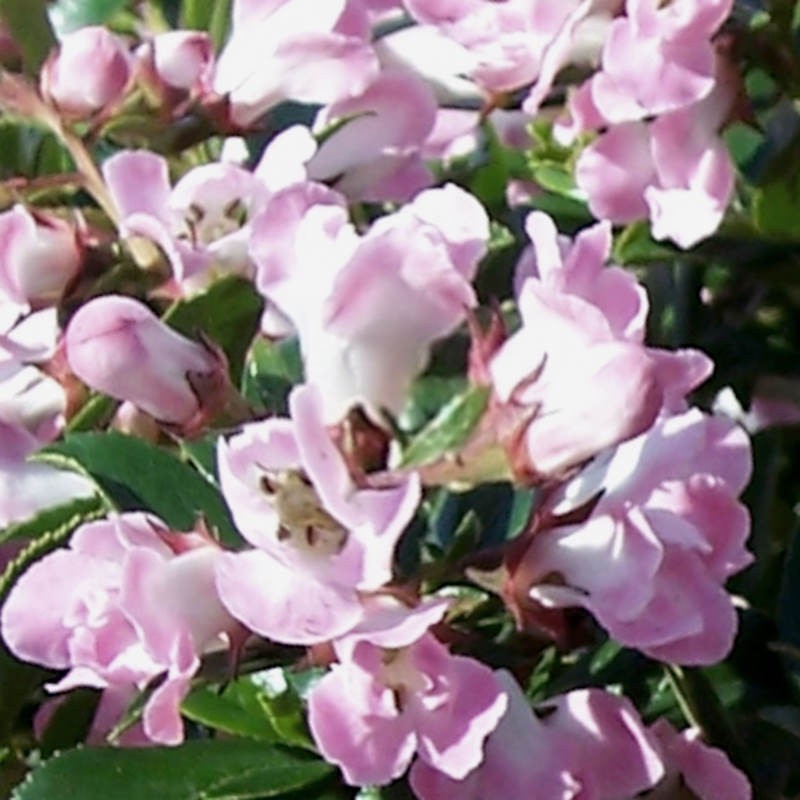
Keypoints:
pixel 136 475
pixel 48 529
pixel 237 769
pixel 635 245
pixel 449 429
pixel 231 711
pixel 30 28
pixel 51 519
pixel 775 206
pixel 272 369
pixel 69 15
pixel 228 312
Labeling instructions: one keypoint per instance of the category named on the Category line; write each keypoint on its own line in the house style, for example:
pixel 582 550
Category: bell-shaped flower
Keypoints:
pixel 134 603
pixel 367 308
pixel 676 170
pixel 405 694
pixel 658 58
pixel 89 72
pixel 587 743
pixel 651 560
pixel 582 326
pixel 299 50
pixel 373 151
pixel 320 539
pixel 116 345
pixel 39 256
pixel 179 59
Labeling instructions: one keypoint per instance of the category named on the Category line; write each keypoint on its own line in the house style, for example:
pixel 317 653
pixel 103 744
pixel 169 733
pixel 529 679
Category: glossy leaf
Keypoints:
pixel 136 475
pixel 199 770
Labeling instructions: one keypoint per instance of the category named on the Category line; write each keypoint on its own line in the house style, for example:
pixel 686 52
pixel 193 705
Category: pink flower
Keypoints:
pixel 31 414
pixel 293 50
pixel 658 59
pixel 39 256
pixel 130 609
pixel 675 170
pixel 89 72
pixel 375 155
pixel 201 224
pixel 116 345
pixel 651 560
pixel 321 540
pixel 406 694
pixel 364 331
pixel 706 770
pixel 582 326
pixel 181 60
pixel 587 743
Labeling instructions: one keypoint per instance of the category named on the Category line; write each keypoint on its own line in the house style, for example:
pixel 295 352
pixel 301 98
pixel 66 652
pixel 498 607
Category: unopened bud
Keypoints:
pixel 116 345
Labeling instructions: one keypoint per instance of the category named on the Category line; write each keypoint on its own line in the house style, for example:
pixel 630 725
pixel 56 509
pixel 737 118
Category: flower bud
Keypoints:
pixel 90 71
pixel 118 346
pixel 39 256
pixel 182 59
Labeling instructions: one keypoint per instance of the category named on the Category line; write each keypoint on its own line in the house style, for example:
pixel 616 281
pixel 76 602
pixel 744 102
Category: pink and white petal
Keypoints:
pixel 283 604
pixel 451 738
pixel 33 626
pixel 366 736
pixel 138 182
pixel 615 170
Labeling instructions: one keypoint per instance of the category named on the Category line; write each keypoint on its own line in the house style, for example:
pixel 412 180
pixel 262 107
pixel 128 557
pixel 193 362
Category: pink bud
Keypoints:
pixel 39 256
pixel 90 71
pixel 182 59
pixel 118 346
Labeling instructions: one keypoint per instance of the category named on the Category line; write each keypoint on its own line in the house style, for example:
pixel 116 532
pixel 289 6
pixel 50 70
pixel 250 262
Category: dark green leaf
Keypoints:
pixel 228 312
pixel 230 711
pixel 635 245
pixel 137 476
pixel 200 770
pixel 50 528
pixel 81 509
pixel 272 369
pixel 69 15
pixel 449 429
pixel 30 28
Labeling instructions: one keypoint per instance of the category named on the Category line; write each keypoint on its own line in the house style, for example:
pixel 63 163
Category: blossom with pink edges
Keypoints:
pixel 39 255
pixel 90 72
pixel 202 223
pixel 375 155
pixel 134 604
pixel 116 345
pixel 669 531
pixel 293 50
pixel 582 325
pixel 367 308
pixel 406 694
pixel 320 540
pixel 586 743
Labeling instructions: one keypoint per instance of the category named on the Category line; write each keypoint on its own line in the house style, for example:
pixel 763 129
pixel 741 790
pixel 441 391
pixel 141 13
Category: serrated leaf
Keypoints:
pixel 238 769
pixel 228 312
pixel 449 429
pixel 136 475
pixel 51 528
pixel 81 508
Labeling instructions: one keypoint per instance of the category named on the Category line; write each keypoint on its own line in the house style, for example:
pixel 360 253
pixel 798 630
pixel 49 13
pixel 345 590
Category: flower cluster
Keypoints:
pixel 355 235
